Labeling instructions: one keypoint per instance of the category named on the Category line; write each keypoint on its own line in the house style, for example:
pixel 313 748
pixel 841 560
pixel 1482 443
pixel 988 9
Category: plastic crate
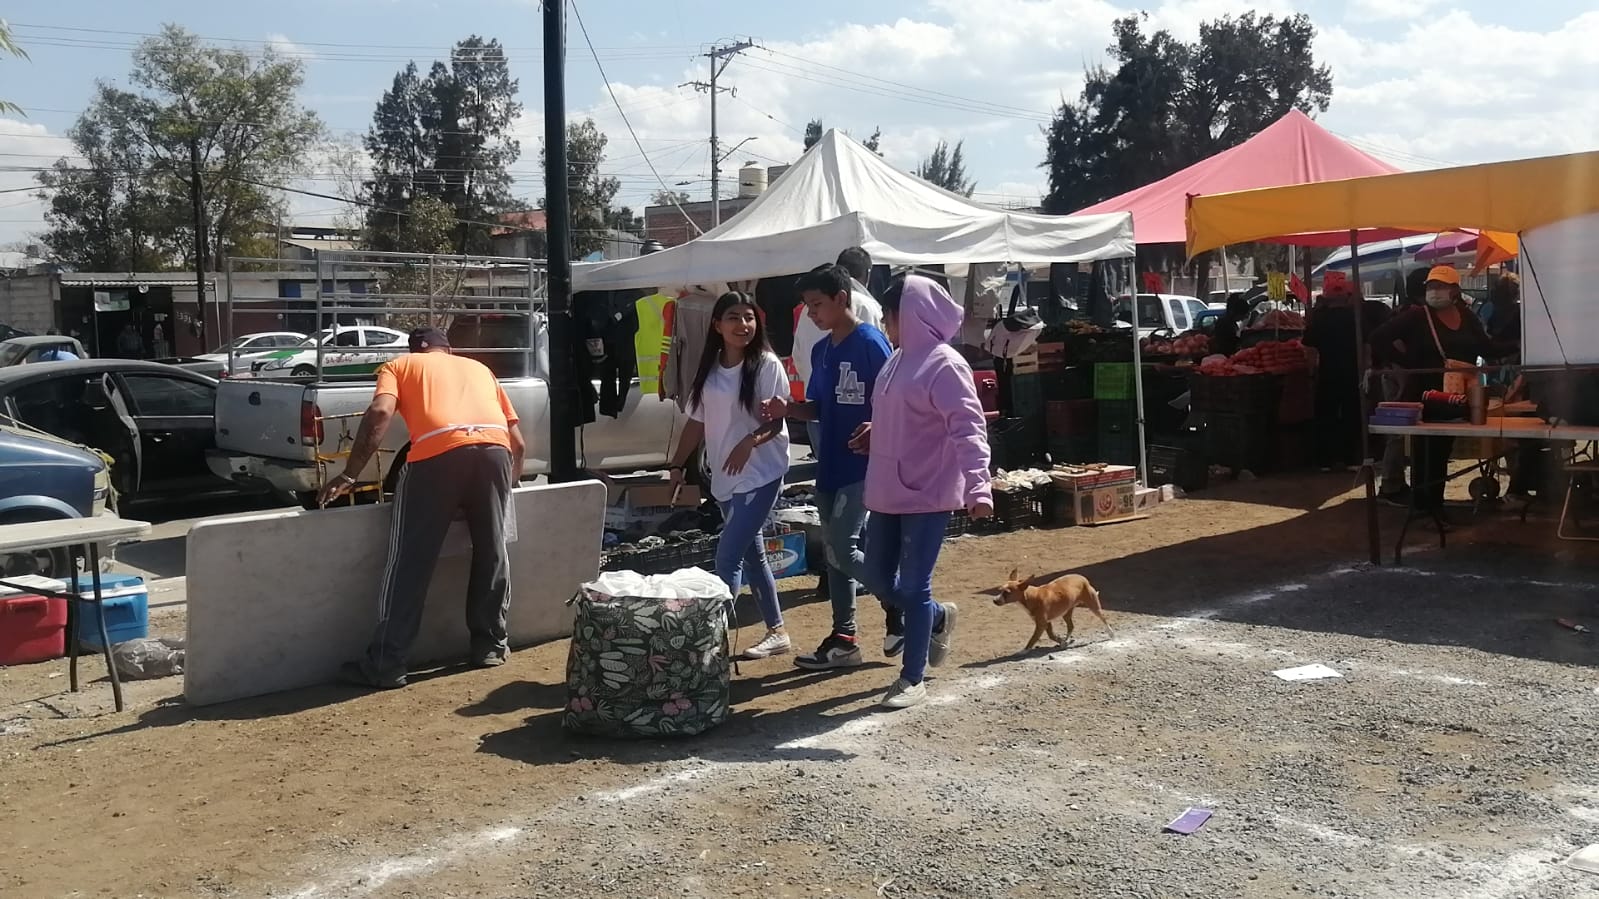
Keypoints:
pixel 1018 509
pixel 1234 394
pixel 1118 432
pixel 1177 466
pixel 1026 395
pixel 1239 441
pixel 1071 418
pixel 1074 449
pixel 959 524
pixel 1051 356
pixel 1114 380
pixel 1013 443
pixel 1297 401
pixel 1074 383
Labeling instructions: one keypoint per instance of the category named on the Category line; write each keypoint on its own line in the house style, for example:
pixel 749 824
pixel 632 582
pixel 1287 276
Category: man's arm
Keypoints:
pixel 368 437
pixel 518 451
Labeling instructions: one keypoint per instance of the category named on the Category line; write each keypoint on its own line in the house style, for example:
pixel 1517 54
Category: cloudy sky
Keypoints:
pixel 1421 83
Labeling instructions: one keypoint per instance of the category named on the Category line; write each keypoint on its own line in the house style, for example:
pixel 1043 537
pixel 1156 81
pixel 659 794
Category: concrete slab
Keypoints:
pixel 278 600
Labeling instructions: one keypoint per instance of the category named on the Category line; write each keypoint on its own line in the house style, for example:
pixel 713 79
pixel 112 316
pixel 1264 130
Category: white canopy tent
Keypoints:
pixel 1558 271
pixel 840 194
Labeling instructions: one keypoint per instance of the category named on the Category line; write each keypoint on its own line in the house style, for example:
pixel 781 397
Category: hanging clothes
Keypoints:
pixel 608 324
pixel 649 347
pixel 688 330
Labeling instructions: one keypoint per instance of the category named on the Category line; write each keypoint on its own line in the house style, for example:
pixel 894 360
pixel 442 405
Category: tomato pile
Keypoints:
pixel 1186 345
pixel 1272 357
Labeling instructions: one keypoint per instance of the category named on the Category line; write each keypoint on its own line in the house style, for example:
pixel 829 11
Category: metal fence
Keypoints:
pixel 400 291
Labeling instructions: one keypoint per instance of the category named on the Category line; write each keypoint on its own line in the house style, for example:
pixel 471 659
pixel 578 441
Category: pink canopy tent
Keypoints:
pixel 1292 150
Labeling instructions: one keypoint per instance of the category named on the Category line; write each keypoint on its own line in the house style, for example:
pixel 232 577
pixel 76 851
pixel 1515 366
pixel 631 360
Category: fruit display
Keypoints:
pixel 1190 344
pixel 1272 357
pixel 1280 320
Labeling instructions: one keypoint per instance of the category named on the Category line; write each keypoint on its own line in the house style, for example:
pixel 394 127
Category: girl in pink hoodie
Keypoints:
pixel 927 449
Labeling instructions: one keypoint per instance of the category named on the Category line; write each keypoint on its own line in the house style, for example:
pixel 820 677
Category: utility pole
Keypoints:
pixel 197 199
pixel 558 225
pixel 719 57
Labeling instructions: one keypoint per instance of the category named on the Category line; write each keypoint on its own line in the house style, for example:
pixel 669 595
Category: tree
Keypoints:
pixel 589 192
pixel 1166 104
pixel 624 219
pixel 129 202
pixel 446 136
pixel 669 198
pixel 945 168
pixel 9 47
pixel 872 142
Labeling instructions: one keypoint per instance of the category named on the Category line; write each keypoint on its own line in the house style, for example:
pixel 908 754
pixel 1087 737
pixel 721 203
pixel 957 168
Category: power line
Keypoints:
pixel 605 78
pixel 876 78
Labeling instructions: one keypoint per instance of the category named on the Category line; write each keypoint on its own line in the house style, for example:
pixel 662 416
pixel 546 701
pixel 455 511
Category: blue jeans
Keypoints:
pixel 741 550
pixel 843 514
pixel 901 553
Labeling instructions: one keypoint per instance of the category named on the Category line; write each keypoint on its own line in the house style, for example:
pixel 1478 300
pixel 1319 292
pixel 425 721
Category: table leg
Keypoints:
pixel 105 638
pixel 1373 533
pixel 72 628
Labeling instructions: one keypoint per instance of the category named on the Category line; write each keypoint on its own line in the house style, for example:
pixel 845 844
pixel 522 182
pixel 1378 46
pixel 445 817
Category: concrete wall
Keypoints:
pixel 28 302
pixel 277 601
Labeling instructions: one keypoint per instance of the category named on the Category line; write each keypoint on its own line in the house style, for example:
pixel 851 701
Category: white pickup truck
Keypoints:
pixel 292 434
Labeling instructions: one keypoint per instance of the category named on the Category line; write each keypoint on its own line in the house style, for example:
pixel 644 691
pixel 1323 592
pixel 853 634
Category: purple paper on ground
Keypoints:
pixel 1189 821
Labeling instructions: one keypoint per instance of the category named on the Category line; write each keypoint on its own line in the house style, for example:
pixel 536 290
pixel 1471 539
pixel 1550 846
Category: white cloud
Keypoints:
pixel 26 147
pixel 281 43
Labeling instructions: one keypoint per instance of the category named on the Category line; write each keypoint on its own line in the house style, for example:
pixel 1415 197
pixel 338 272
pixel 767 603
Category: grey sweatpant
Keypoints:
pixel 474 480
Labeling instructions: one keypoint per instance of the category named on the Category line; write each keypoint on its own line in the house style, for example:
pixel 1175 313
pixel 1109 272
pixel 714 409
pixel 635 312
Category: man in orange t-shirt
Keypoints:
pixel 466 453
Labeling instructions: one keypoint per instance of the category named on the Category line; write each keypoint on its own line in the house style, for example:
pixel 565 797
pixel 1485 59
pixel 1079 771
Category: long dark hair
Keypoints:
pixel 754 353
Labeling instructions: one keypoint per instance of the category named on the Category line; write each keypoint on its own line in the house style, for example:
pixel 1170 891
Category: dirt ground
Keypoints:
pixel 1454 758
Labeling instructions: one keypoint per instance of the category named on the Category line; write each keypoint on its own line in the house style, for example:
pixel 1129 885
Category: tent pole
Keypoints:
pixel 1368 471
pixel 1138 376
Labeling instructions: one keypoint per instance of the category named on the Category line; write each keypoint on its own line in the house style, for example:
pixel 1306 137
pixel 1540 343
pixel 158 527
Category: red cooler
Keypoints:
pixel 32 629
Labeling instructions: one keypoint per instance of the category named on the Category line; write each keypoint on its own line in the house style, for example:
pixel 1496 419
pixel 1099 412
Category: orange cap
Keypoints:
pixel 1444 274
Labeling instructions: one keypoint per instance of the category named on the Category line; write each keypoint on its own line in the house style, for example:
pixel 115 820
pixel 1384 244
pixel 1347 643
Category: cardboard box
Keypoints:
pixel 646 503
pixel 1102 504
pixel 1079 477
pixel 786 554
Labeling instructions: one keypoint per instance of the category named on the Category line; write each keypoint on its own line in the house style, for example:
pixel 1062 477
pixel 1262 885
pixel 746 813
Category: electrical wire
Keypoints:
pixel 605 78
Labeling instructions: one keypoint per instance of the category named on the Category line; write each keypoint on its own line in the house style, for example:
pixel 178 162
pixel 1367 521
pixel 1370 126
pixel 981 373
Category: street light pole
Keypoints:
pixel 558 223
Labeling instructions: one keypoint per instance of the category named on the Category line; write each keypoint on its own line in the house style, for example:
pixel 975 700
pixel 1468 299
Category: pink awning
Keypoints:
pixel 1292 150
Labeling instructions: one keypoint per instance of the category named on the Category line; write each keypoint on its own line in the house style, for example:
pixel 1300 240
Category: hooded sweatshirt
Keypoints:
pixel 929 444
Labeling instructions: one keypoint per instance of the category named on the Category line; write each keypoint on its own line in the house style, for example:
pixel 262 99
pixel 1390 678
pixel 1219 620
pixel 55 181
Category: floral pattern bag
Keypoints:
pixel 647 667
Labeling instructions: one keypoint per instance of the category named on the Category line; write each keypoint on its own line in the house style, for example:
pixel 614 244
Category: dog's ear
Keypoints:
pixel 1013 573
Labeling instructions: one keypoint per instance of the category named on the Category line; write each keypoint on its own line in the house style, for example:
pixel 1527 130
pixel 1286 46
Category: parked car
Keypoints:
pixel 286 434
pixel 343 353
pixel 31 349
pixel 1159 311
pixel 154 421
pixel 45 478
pixel 250 347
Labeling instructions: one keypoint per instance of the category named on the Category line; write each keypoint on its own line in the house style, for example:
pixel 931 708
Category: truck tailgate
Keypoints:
pixel 262 418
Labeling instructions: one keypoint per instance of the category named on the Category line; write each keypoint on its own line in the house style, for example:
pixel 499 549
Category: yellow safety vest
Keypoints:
pixel 649 340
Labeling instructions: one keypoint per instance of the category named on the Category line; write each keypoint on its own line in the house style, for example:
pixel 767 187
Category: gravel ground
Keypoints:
pixel 1453 758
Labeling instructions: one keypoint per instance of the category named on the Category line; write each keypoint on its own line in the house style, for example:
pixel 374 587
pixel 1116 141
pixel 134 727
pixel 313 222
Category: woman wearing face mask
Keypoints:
pixel 1442 333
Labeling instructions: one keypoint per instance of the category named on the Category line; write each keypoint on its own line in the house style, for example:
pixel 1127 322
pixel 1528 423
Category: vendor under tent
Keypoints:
pixel 1547 207
pixel 840 194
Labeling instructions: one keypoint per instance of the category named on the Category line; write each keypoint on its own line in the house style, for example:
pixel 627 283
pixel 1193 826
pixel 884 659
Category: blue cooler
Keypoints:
pixel 124 602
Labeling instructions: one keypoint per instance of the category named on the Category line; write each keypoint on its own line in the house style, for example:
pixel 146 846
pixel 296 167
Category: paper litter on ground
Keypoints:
pixel 1585 859
pixel 1307 672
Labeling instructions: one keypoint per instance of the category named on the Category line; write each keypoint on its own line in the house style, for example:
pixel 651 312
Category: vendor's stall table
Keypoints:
pixel 82 537
pixel 1494 429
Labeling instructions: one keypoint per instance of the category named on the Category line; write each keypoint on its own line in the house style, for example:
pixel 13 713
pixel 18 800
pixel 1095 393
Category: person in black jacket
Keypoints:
pixel 1426 339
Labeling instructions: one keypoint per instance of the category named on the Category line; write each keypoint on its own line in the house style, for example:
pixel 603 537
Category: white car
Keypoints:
pixel 343 353
pixel 251 346
pixel 1159 311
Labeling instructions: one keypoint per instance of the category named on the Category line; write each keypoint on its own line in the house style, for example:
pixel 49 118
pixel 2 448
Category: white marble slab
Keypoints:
pixel 279 600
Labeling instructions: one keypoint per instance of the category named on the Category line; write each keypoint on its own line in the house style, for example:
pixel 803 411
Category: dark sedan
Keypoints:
pixel 153 420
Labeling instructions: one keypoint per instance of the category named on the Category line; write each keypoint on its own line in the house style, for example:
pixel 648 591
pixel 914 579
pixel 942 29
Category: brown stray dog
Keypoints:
pixel 1059 597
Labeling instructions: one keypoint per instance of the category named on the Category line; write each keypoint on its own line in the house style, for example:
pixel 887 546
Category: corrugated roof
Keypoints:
pixel 136 279
pixel 315 244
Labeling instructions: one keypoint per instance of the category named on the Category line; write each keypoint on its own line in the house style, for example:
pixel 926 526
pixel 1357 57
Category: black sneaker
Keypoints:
pixel 894 635
pixel 1399 499
pixel 837 651
pixel 355 675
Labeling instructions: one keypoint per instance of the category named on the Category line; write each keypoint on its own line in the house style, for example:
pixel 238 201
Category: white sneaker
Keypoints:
pixel 775 643
pixel 893 644
pixel 938 650
pixel 903 695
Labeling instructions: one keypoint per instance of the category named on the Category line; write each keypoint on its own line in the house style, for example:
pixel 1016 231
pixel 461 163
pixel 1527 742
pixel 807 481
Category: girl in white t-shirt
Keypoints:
pixel 737 373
